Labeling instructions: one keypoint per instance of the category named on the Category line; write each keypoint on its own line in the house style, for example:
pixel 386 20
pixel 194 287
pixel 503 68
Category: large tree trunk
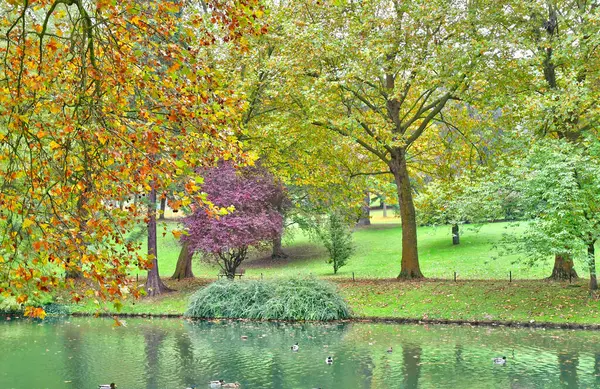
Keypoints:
pixel 455 234
pixel 410 256
pixel 183 269
pixel 278 252
pixel 563 268
pixel 592 264
pixel 154 285
pixel 365 218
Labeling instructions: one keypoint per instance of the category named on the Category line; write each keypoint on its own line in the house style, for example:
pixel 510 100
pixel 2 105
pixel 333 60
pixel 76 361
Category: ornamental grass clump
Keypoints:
pixel 292 299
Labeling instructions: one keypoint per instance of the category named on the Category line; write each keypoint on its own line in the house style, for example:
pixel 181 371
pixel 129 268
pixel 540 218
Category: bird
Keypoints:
pixel 499 361
pixel 107 386
pixel 232 385
pixel 389 350
pixel 295 347
pixel 216 384
pixel 329 360
pixel 192 387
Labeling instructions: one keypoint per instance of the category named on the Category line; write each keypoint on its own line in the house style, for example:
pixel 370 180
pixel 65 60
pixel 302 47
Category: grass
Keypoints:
pixel 520 301
pixel 482 292
pixel 377 255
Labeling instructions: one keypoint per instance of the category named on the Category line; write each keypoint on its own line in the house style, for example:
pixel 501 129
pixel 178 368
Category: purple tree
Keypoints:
pixel 255 220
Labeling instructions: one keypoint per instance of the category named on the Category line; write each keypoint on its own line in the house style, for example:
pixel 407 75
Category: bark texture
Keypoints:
pixel 455 234
pixel 163 206
pixel 563 268
pixel 183 269
pixel 410 256
pixel 365 218
pixel 278 252
pixel 592 264
pixel 154 285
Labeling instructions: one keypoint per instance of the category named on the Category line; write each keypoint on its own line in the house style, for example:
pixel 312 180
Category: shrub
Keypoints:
pixel 337 239
pixel 292 299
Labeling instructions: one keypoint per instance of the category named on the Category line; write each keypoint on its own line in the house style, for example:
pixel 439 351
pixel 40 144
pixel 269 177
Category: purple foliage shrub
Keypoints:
pixel 255 220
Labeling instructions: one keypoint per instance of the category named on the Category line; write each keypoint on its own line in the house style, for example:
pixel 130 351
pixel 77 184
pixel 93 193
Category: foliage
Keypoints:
pixel 336 236
pixel 252 196
pixel 99 100
pixel 290 299
pixel 560 184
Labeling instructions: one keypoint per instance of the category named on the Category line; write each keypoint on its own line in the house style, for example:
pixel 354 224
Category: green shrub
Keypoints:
pixel 337 239
pixel 292 299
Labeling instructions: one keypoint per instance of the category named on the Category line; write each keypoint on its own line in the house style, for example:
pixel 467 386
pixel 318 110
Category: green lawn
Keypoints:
pixel 378 250
pixel 482 292
pixel 520 301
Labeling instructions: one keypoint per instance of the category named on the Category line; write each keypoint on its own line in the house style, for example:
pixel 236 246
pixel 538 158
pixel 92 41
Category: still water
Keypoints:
pixel 81 353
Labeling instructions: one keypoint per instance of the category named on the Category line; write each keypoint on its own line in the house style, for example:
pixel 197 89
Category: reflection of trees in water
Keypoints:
pixel 76 362
pixel 597 367
pixel 265 357
pixel 567 363
pixel 458 353
pixel 185 350
pixel 411 357
pixel 153 339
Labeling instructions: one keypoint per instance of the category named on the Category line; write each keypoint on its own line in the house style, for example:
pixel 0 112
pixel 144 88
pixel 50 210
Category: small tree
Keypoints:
pixel 250 194
pixel 337 239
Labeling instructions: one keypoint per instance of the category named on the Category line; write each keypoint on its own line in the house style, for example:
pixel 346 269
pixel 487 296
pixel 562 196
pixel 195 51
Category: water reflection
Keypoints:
pixel 175 354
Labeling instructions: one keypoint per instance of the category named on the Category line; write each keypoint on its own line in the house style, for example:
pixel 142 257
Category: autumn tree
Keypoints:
pixel 98 99
pixel 381 74
pixel 250 194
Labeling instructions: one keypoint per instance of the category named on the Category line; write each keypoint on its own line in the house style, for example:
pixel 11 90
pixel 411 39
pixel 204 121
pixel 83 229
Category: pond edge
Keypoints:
pixel 367 319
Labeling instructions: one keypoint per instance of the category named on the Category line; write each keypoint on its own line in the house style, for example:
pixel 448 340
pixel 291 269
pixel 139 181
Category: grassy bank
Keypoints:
pixel 520 301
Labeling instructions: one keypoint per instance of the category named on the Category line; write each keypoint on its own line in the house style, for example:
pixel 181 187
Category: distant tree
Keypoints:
pixel 250 194
pixel 464 200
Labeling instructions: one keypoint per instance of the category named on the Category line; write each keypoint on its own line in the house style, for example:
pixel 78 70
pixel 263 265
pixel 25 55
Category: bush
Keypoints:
pixel 292 299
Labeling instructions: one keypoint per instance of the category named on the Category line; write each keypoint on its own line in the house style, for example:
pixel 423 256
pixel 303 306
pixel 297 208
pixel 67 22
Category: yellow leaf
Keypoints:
pixel 27 223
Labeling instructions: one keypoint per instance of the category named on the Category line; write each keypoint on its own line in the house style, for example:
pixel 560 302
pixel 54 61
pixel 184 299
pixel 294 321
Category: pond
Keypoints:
pixel 81 353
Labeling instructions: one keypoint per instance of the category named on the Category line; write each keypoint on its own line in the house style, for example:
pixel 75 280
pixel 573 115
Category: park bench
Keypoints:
pixel 239 273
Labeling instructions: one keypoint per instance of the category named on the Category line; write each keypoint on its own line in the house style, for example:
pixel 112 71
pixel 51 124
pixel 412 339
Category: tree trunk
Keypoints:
pixel 455 234
pixel 410 256
pixel 163 206
pixel 365 218
pixel 183 269
pixel 278 252
pixel 154 285
pixel 384 205
pixel 592 264
pixel 563 268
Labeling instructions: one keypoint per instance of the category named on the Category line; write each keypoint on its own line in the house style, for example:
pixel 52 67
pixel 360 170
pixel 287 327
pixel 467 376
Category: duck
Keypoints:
pixel 216 384
pixel 329 360
pixel 499 361
pixel 295 347
pixel 232 385
pixel 389 350
pixel 107 386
